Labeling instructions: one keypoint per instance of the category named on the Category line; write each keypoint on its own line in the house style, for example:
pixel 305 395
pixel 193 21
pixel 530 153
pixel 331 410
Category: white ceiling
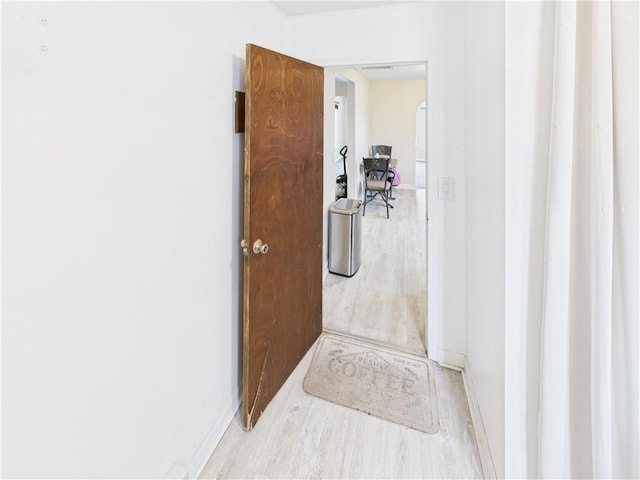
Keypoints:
pixel 291 8
pixel 394 72
pixel 383 72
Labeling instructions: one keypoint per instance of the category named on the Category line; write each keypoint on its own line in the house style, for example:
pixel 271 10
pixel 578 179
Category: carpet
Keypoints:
pixel 395 386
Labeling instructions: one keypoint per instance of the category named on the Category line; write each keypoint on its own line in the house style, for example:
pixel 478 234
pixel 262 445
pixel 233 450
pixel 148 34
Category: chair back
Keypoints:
pixel 375 169
pixel 376 181
pixel 377 150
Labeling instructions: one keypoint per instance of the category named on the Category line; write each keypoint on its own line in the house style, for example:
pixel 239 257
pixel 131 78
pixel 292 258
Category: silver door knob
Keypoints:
pixel 260 248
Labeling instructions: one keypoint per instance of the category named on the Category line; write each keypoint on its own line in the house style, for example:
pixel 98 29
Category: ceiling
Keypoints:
pixel 291 8
pixel 394 72
pixel 377 72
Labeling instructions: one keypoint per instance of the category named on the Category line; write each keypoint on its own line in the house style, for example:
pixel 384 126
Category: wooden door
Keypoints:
pixel 282 209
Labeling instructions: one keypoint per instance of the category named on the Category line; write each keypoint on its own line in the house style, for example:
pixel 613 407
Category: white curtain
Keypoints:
pixel 572 240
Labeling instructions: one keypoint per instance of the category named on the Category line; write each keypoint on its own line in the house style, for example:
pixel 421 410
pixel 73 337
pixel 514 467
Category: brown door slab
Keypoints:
pixel 283 210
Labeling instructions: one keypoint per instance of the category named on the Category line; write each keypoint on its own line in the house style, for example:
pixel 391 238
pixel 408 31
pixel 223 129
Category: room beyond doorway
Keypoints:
pixel 381 102
pixel 386 300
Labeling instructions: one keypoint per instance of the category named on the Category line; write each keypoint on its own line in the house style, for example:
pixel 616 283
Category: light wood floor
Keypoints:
pixel 300 436
pixel 386 300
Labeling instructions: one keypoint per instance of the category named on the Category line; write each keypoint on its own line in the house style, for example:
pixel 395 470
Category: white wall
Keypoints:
pixel 421 133
pixel 329 176
pixel 121 218
pixel 341 121
pixel 526 25
pixel 356 90
pixel 485 213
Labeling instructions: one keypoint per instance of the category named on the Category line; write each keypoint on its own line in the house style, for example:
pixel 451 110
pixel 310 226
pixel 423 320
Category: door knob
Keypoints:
pixel 260 248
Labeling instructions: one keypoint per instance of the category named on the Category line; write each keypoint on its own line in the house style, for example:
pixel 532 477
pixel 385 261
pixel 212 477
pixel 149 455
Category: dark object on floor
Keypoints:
pixel 341 180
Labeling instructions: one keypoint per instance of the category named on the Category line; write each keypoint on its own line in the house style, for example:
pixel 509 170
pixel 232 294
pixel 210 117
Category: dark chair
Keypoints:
pixel 378 150
pixel 376 181
pixel 385 151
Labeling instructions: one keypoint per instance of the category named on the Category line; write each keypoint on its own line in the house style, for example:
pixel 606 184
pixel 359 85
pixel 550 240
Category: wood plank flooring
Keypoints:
pixel 300 436
pixel 386 300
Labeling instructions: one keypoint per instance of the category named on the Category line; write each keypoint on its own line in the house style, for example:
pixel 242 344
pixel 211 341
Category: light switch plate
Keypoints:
pixel 445 188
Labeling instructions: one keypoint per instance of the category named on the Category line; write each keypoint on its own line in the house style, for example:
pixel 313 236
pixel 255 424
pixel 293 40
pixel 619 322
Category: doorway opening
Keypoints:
pixel 386 300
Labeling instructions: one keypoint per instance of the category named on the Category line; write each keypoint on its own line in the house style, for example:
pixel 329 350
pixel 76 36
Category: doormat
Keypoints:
pixel 387 384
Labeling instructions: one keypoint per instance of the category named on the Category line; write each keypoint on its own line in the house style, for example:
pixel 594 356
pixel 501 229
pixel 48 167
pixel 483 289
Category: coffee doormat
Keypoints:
pixel 391 385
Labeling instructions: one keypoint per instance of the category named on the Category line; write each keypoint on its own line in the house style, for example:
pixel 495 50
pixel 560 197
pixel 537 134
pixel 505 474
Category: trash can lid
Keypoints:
pixel 346 206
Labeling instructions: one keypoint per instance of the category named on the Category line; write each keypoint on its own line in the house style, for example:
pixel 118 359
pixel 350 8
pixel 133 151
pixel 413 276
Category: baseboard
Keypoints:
pixel 486 461
pixel 453 360
pixel 211 440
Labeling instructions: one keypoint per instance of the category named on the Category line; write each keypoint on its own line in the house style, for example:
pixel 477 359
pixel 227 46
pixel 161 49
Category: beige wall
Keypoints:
pixel 393 105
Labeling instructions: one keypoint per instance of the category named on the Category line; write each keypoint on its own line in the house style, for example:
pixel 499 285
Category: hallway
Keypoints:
pixel 300 436
pixel 386 300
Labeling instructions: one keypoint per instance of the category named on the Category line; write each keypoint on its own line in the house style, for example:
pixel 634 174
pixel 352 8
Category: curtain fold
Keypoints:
pixel 601 254
pixel 580 125
pixel 555 437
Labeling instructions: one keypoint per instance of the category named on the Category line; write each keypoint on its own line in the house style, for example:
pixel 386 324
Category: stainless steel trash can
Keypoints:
pixel 345 236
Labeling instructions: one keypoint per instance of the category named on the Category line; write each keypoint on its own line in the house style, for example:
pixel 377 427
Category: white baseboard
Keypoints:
pixel 211 440
pixel 453 360
pixel 486 460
